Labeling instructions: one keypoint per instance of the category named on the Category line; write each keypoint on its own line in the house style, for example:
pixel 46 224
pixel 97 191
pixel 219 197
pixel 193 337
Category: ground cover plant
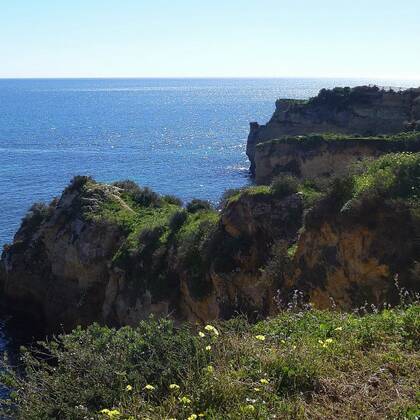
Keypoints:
pixel 303 363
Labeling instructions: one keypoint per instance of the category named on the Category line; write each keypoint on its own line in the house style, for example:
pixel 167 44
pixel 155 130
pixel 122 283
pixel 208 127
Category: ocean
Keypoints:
pixel 178 136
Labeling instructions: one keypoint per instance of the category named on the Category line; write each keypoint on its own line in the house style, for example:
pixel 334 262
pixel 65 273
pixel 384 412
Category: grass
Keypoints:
pixel 281 187
pixel 235 195
pixel 303 363
pixel 392 176
pixel 312 140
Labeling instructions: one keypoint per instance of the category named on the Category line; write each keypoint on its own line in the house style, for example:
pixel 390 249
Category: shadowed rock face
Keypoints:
pixel 355 255
pixel 363 110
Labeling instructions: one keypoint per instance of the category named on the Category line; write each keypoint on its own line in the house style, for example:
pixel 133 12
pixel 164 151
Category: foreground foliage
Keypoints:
pixel 300 364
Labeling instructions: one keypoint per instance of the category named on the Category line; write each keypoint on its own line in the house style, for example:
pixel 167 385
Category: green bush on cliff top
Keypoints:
pixel 300 364
pixel 393 176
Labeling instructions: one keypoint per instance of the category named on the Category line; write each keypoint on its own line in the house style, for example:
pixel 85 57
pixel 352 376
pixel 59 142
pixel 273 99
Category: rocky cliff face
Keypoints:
pixel 362 110
pixel 105 253
pixel 118 253
pixel 317 156
pixel 362 237
pixel 356 255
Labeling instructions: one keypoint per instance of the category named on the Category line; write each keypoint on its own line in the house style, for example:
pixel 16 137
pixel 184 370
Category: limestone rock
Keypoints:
pixel 363 110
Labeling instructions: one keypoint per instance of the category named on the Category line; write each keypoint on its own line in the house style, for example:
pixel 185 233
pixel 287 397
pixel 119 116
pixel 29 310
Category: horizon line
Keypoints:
pixel 205 77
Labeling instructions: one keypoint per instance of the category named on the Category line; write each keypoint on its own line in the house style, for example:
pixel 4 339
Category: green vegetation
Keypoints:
pixel 37 214
pixel 198 205
pixel 232 195
pixel 394 176
pixel 281 187
pixel 194 250
pixel 285 185
pixel 303 363
pixel 405 139
pixel 153 228
pixel 311 193
pixel 340 98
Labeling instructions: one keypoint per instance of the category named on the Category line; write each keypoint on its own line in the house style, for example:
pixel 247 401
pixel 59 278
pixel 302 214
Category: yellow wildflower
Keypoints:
pixel 174 387
pixel 192 417
pixel 149 387
pixel 112 414
pixel 264 381
pixel 128 388
pixel 184 400
pixel 257 389
pixel 249 408
pixel 201 334
pixel 338 329
pixel 209 369
pixel 326 343
pixel 260 337
pixel 208 348
pixel 211 329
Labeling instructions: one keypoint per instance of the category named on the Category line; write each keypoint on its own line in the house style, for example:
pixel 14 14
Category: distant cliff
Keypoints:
pixel 118 253
pixel 324 156
pixel 363 110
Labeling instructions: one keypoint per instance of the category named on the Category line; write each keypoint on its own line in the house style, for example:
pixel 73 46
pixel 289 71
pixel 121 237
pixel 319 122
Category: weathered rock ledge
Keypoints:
pixel 324 156
pixel 363 110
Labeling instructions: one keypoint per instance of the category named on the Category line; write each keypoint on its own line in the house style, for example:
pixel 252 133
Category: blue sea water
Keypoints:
pixel 178 136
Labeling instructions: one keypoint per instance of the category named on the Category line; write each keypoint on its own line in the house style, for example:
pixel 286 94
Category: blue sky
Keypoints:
pixel 230 38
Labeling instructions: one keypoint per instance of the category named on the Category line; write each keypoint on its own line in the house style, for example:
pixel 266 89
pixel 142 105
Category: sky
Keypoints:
pixel 210 38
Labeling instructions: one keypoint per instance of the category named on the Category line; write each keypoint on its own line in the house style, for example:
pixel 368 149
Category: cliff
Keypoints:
pixel 324 156
pixel 363 236
pixel 118 253
pixel 363 110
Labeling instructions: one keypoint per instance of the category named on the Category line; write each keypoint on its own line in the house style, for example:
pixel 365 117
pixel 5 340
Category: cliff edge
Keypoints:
pixel 363 110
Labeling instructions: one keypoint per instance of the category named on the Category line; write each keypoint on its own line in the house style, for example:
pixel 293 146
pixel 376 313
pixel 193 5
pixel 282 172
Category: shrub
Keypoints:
pixel 284 186
pixel 89 370
pixel 298 364
pixel 228 195
pixel 178 219
pixel 392 176
pixel 150 235
pixel 172 199
pixel 278 264
pixel 341 190
pixel 198 205
pixel 77 183
pixel 312 192
pixel 144 197
pixel 193 239
pixel 36 215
